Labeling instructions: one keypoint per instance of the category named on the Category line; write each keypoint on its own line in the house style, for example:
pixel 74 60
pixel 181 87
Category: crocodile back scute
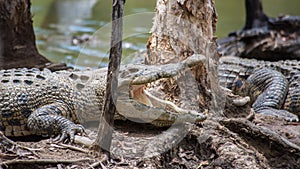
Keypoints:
pixel 292 101
pixel 25 90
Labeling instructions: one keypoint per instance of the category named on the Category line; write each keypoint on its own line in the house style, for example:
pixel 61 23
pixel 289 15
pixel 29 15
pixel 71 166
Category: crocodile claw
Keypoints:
pixel 68 134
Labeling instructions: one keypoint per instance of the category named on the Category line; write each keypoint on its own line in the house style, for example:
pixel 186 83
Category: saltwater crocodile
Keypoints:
pixel 273 87
pixel 42 102
pixel 46 103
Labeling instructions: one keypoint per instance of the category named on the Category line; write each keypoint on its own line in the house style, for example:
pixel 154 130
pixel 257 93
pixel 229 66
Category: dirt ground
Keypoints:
pixel 144 146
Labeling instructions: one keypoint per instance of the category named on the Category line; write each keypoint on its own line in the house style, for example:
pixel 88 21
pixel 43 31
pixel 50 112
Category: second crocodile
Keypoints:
pixel 273 87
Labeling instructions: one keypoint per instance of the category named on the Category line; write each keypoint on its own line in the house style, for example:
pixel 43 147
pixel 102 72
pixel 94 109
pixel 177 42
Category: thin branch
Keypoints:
pixel 2 136
pixel 104 135
pixel 74 148
pixel 43 161
pixel 94 165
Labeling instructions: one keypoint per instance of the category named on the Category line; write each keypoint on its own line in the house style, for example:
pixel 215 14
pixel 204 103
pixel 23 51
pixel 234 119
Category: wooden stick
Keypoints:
pixel 104 135
pixel 74 148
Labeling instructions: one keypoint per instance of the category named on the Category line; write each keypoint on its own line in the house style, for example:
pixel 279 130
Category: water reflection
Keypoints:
pixel 63 14
pixel 64 20
pixel 69 23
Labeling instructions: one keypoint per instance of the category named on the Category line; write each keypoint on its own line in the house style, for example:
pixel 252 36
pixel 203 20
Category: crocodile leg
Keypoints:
pixel 269 89
pixel 51 120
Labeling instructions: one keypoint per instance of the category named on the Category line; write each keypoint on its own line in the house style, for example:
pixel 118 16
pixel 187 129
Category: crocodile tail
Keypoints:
pixel 269 89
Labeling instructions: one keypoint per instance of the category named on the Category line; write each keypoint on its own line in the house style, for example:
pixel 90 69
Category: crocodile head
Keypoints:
pixel 132 103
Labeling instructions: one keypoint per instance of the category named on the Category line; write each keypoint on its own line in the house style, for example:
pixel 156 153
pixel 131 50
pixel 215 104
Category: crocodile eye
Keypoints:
pixel 238 83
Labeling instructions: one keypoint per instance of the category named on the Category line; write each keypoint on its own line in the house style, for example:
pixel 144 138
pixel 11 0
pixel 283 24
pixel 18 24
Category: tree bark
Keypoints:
pixel 17 38
pixel 180 29
pixel 255 16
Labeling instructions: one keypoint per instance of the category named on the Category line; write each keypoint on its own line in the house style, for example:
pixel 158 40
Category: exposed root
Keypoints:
pixel 279 151
pixel 246 128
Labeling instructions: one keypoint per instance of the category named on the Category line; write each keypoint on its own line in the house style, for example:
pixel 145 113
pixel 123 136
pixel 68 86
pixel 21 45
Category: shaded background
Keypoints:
pixel 62 25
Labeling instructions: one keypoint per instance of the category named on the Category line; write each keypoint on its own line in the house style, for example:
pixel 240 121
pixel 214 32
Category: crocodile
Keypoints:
pixel 42 102
pixel 273 87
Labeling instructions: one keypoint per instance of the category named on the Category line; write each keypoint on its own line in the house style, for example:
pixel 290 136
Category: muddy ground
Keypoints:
pixel 245 141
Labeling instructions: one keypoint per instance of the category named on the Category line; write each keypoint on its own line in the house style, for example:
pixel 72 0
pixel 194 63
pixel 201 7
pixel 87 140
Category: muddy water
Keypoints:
pixel 62 25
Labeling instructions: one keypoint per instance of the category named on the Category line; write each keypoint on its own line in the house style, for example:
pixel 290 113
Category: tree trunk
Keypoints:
pixel 182 28
pixel 255 16
pixel 17 39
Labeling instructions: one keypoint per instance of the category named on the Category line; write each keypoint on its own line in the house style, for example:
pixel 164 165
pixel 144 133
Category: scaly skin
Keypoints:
pixel 272 86
pixel 46 103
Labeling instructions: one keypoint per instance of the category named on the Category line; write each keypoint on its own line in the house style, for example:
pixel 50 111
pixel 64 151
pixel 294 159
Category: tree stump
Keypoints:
pixel 182 28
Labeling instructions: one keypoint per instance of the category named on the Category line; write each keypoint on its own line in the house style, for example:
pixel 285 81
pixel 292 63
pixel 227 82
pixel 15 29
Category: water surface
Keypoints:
pixel 61 25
